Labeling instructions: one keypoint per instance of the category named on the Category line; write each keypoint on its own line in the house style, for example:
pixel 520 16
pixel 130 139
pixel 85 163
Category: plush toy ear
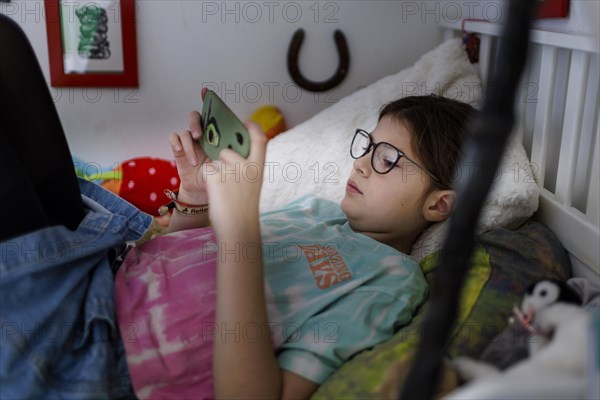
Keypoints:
pixel 568 294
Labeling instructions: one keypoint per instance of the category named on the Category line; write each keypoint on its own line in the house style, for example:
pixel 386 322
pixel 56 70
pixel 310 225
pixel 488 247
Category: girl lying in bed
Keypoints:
pixel 257 306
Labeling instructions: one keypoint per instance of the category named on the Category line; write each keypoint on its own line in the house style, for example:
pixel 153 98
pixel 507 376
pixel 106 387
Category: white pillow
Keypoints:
pixel 314 156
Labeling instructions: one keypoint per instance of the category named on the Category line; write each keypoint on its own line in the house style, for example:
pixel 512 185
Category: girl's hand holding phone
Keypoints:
pixel 234 185
pixel 230 184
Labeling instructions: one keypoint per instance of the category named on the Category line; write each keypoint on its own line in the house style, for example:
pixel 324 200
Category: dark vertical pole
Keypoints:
pixel 489 133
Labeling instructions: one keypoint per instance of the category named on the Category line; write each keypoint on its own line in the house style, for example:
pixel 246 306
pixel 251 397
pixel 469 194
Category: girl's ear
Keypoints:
pixel 439 205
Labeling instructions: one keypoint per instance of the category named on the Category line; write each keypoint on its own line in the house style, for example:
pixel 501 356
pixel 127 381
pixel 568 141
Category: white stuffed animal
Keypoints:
pixel 555 368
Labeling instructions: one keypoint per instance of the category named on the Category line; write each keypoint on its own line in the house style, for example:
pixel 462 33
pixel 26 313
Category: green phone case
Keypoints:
pixel 222 129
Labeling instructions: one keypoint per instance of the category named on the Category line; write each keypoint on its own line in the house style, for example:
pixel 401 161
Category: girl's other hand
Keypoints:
pixel 191 161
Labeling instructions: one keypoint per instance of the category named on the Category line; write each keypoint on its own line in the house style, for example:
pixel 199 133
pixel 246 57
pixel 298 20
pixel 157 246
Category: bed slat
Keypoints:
pixel 593 200
pixel 543 111
pixel 485 51
pixel 522 98
pixel 571 133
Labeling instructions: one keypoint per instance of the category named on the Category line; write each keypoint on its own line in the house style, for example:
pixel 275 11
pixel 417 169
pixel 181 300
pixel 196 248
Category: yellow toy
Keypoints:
pixel 270 119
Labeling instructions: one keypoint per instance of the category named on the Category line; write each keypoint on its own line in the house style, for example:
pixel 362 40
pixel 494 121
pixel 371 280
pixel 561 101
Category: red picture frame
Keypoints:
pixel 81 56
pixel 553 9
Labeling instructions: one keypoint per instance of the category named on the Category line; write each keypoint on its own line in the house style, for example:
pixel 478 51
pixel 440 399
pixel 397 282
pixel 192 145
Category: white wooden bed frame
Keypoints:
pixel 558 122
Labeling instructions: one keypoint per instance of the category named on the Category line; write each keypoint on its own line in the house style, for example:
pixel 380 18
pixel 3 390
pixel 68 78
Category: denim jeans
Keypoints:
pixel 59 336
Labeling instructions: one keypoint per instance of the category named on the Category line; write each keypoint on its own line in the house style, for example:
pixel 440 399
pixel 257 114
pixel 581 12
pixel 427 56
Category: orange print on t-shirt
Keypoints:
pixel 326 264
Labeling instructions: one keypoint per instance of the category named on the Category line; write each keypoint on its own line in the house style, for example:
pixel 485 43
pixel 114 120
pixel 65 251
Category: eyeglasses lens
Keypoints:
pixel 360 145
pixel 384 158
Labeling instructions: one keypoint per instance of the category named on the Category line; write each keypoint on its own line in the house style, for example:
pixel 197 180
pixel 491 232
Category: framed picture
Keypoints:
pixel 92 43
pixel 553 8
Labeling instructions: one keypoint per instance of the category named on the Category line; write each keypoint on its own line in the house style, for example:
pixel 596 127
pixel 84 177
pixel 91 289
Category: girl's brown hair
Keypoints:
pixel 439 129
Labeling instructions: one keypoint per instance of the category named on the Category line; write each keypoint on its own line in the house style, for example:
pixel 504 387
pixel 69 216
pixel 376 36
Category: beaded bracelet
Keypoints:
pixel 180 206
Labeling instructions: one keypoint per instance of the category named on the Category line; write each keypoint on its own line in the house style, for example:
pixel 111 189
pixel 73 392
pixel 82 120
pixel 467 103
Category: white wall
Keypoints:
pixel 241 47
pixel 183 45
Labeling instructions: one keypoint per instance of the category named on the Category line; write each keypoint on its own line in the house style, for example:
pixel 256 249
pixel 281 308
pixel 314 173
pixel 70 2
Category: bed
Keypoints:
pixel 542 218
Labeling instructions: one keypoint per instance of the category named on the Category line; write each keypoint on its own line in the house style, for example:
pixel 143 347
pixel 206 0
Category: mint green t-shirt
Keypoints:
pixel 331 292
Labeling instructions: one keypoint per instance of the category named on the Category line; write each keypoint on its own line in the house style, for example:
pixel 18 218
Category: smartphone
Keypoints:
pixel 222 129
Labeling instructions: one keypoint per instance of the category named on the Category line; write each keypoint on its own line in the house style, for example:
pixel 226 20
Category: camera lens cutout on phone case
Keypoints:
pixel 222 128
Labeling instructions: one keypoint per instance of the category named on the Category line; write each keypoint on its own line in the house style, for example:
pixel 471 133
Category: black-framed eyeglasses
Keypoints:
pixel 385 156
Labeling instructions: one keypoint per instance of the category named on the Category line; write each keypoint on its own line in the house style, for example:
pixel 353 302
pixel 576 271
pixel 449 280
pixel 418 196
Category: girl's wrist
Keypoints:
pixel 199 198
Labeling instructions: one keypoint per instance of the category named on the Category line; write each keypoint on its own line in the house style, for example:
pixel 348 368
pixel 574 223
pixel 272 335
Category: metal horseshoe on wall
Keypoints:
pixel 336 79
